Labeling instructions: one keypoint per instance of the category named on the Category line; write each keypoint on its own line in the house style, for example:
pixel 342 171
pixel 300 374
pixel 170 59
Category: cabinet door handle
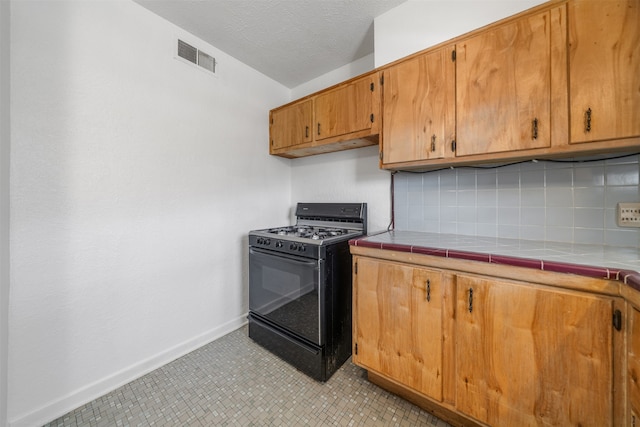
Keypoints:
pixel 318 128
pixel 470 300
pixel 534 129
pixel 587 120
pixel 617 320
pixel 428 290
pixel 433 143
pixel 306 131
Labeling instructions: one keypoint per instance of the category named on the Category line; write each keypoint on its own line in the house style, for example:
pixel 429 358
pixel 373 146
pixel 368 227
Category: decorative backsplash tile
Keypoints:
pixel 564 201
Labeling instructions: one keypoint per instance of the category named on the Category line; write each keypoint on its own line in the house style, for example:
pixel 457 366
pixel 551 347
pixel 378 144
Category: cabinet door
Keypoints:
pixel 418 106
pixel 349 108
pixel 528 356
pixel 633 366
pixel 398 323
pixel 291 125
pixel 604 69
pixel 503 88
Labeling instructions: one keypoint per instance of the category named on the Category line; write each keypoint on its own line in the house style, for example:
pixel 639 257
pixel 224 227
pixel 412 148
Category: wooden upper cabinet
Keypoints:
pixel 397 323
pixel 418 106
pixel 528 356
pixel 503 88
pixel 351 108
pixel 604 69
pixel 291 125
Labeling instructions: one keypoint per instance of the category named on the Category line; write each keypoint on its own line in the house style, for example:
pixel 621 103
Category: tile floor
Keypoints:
pixel 234 382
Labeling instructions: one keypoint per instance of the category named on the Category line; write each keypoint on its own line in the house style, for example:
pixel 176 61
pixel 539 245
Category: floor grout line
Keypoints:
pixel 235 382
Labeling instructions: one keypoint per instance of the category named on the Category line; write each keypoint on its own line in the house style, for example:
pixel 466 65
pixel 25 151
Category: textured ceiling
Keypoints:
pixel 291 41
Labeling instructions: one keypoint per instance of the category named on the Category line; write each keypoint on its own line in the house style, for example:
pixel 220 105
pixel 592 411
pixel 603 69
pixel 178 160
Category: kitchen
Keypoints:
pixel 113 224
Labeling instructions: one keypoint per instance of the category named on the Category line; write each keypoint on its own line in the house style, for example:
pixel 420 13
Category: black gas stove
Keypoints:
pixel 300 286
pixel 318 225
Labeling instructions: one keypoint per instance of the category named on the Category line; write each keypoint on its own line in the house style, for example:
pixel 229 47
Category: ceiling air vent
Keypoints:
pixel 207 62
pixel 196 56
pixel 187 52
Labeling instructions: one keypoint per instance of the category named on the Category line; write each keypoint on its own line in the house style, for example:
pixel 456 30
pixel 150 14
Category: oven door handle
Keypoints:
pixel 300 260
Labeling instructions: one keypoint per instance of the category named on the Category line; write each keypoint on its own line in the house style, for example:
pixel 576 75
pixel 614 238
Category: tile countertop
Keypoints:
pixel 605 262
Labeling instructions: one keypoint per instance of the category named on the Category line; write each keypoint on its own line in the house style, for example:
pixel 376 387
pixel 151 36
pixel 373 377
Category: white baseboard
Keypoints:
pixel 99 388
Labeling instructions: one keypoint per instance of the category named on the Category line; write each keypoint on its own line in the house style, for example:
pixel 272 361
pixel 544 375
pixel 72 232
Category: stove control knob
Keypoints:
pixel 279 244
pixel 260 240
pixel 293 246
pixel 267 241
pixel 302 248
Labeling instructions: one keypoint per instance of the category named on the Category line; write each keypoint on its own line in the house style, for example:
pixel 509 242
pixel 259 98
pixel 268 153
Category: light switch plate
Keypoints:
pixel 628 215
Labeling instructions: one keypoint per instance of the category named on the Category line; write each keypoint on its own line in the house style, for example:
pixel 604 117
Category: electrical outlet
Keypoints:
pixel 628 215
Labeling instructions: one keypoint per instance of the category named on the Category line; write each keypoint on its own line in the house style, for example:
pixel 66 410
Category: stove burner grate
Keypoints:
pixel 308 232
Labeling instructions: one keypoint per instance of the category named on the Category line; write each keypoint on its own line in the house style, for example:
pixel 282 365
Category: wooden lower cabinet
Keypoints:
pixel 633 363
pixel 483 350
pixel 527 356
pixel 398 323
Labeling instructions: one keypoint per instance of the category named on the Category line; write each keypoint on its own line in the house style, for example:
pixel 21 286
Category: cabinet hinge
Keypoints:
pixel 371 117
pixel 617 320
pixel 356 268
pixel 381 155
pixel 453 55
pixel 382 80
pixel 372 86
pixel 356 348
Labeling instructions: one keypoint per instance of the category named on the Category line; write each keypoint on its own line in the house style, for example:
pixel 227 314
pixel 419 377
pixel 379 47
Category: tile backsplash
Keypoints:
pixel 564 201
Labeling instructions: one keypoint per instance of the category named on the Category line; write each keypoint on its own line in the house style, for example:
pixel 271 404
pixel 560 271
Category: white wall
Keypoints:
pixel 419 24
pixel 5 134
pixel 355 68
pixel 347 176
pixel 134 180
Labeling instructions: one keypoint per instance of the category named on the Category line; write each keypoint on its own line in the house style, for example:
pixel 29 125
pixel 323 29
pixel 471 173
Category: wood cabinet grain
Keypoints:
pixel 419 108
pixel 493 348
pixel 339 118
pixel 633 365
pixel 604 69
pixel 398 323
pixel 529 356
pixel 503 88
pixel 291 125
pixel 559 80
pixel 348 109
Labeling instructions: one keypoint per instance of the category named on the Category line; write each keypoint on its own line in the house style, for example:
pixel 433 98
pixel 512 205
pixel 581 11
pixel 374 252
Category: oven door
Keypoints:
pixel 286 290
